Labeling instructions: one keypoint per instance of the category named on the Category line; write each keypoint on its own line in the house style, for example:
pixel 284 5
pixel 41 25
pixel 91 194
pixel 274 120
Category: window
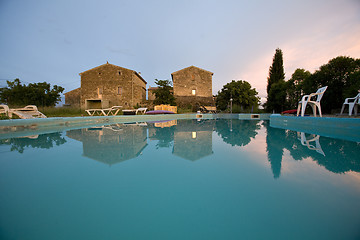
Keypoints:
pixel 119 91
pixel 119 73
pixel 193 92
pixel 193 134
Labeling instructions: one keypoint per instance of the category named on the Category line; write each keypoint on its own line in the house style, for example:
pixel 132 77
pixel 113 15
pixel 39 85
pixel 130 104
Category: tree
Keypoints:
pixel 40 94
pixel 277 95
pixel 276 75
pixel 241 93
pixel 294 87
pixel 164 93
pixel 341 75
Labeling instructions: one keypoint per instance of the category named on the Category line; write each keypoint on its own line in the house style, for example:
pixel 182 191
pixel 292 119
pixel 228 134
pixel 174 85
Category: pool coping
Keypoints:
pixel 341 128
pixel 25 127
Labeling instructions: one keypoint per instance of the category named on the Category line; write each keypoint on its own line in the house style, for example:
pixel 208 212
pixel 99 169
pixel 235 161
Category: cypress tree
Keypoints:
pixel 276 71
pixel 276 81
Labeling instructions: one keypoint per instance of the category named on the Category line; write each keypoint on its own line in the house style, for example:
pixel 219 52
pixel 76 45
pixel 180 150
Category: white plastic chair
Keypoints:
pixel 306 99
pixel 352 102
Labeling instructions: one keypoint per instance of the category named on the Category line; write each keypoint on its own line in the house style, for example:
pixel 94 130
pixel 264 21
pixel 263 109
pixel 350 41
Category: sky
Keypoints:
pixel 55 40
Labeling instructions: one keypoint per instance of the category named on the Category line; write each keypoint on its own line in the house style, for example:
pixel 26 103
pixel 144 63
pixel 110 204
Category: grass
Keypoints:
pixel 62 112
pixel 184 110
pixel 4 117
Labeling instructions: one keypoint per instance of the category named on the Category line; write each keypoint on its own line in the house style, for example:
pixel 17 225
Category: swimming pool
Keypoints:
pixel 179 179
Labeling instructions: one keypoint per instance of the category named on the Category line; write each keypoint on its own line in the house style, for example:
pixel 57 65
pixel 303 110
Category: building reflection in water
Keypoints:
pixel 193 139
pixel 113 143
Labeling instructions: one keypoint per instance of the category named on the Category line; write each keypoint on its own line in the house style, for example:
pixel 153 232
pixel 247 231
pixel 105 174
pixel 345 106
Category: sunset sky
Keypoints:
pixel 53 41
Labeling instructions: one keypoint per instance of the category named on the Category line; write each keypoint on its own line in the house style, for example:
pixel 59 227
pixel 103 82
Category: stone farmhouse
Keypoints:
pixel 193 85
pixel 108 85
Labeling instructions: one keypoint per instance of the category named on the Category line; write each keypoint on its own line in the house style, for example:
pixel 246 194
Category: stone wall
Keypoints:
pixel 151 94
pixel 194 101
pixel 72 98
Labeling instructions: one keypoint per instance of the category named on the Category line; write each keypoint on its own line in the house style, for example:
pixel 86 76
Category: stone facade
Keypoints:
pixel 193 85
pixel 151 94
pixel 109 85
pixel 72 98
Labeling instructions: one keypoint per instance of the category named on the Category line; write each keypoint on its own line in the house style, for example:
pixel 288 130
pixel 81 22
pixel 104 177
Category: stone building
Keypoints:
pixel 151 94
pixel 106 86
pixel 193 85
pixel 72 98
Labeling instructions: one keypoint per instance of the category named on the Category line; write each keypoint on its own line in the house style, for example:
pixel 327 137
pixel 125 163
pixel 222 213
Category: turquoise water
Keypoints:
pixel 184 179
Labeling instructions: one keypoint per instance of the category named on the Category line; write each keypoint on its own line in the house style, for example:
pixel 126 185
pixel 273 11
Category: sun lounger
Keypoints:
pixel 134 111
pixel 4 109
pixel 141 110
pixel 104 111
pixel 207 109
pixel 29 111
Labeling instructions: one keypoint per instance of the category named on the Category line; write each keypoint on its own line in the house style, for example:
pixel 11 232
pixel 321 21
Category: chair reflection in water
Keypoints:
pixel 309 142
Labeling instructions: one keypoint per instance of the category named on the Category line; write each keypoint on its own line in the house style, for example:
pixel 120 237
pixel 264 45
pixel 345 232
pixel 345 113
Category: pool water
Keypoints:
pixel 181 179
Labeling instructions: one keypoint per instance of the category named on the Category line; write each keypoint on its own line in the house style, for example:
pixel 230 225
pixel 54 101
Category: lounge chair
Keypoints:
pixel 4 109
pixel 207 109
pixel 353 104
pixel 29 111
pixel 307 99
pixel 134 111
pixel 114 110
pixel 141 110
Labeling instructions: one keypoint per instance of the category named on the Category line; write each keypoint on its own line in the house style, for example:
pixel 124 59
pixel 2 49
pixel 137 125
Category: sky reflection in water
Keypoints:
pixel 181 179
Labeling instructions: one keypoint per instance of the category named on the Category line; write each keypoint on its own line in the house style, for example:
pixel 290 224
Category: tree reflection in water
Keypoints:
pixel 38 141
pixel 237 132
pixel 336 155
pixel 164 135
